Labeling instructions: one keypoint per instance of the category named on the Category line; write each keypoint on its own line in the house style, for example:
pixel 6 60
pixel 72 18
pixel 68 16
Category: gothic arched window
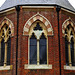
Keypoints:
pixel 5 45
pixel 38 46
pixel 69 45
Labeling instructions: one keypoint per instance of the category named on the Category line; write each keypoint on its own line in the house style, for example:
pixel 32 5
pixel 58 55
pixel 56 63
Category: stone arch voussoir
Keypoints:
pixel 66 23
pixel 40 18
pixel 9 23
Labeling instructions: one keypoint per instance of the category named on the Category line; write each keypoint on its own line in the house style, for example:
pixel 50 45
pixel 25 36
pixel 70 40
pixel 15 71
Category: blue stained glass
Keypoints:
pixel 2 52
pixel 33 50
pixel 8 51
pixel 43 50
pixel 66 51
pixel 72 52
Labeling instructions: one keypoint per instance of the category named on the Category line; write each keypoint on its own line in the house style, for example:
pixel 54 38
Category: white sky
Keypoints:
pixel 71 1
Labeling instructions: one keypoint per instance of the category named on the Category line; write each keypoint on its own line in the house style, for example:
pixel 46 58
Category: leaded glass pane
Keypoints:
pixel 2 52
pixel 66 51
pixel 43 50
pixel 37 27
pixel 33 50
pixel 8 51
pixel 72 52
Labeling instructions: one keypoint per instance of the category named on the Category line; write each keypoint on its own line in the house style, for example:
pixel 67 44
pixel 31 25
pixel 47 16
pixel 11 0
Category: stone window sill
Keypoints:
pixel 69 67
pixel 9 67
pixel 26 66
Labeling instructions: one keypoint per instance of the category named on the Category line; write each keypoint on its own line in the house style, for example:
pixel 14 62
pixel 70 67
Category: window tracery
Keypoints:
pixel 38 46
pixel 5 45
pixel 69 45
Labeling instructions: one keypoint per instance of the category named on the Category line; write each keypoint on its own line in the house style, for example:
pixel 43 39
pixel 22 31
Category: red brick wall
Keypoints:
pixel 63 17
pixel 53 46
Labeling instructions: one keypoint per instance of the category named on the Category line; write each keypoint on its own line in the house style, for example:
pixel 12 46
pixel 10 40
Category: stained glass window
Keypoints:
pixel 43 50
pixel 2 52
pixel 33 49
pixel 8 51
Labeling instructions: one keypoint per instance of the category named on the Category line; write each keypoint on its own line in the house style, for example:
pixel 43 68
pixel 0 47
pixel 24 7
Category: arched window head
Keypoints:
pixel 38 44
pixel 41 19
pixel 38 27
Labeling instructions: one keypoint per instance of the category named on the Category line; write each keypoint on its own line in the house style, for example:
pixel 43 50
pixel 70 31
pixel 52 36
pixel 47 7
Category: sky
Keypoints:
pixel 71 1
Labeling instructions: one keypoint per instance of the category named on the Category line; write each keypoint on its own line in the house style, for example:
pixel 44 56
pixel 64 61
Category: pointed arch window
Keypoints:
pixel 5 45
pixel 69 45
pixel 38 46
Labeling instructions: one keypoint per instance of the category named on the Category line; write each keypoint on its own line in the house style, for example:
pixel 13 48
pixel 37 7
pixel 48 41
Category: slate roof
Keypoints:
pixel 12 3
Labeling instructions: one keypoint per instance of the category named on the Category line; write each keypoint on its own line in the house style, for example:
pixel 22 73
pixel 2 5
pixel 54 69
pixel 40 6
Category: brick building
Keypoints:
pixel 37 37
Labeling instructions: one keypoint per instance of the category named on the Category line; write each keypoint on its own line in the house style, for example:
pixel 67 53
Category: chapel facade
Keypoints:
pixel 37 37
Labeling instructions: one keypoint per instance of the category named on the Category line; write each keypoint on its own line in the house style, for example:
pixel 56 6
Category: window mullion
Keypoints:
pixel 37 52
pixel 69 54
pixel 5 56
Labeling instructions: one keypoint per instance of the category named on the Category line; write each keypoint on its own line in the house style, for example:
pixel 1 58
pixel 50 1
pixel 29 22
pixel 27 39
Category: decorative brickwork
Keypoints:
pixel 40 18
pixel 9 23
pixel 28 18
pixel 66 23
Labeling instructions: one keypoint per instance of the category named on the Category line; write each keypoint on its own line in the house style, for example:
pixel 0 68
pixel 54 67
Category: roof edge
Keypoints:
pixel 37 5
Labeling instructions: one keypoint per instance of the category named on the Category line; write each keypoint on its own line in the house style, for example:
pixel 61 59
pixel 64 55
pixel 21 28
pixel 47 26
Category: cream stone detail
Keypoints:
pixel 34 19
pixel 38 6
pixel 26 29
pixel 49 29
pixel 68 23
pixel 65 25
pixel 46 23
pixel 71 23
pixel 5 68
pixel 63 31
pixel 41 19
pixel 10 26
pixel 26 66
pixel 29 23
pixel 38 33
pixel 2 23
pixel 9 23
pixel 69 67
